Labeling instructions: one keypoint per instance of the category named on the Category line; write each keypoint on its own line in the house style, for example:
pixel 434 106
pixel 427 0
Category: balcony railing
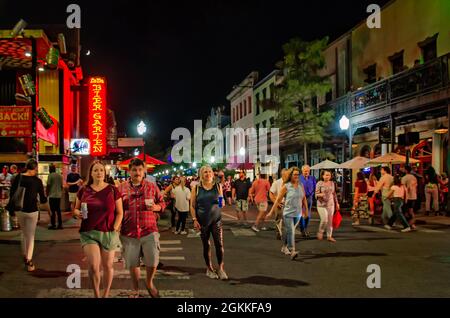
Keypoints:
pixel 407 84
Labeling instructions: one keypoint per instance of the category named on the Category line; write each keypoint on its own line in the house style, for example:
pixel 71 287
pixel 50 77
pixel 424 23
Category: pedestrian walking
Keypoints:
pixel 28 215
pixel 309 183
pixel 443 190
pixel 360 208
pixel 182 196
pixel 371 186
pixel 227 188
pixel 431 191
pixel 410 182
pixel 171 202
pixel 326 205
pixel 54 192
pixel 241 195
pixel 384 185
pixel 295 204
pixel 139 234
pixel 74 182
pixel 398 193
pixel 259 192
pixel 100 206
pixel 275 190
pixel 206 213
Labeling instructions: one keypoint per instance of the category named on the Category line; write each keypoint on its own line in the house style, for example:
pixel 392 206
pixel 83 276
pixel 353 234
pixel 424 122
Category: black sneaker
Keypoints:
pixel 60 227
pixel 52 227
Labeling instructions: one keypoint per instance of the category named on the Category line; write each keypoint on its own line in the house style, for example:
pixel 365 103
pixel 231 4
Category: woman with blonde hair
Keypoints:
pixel 295 204
pixel 206 213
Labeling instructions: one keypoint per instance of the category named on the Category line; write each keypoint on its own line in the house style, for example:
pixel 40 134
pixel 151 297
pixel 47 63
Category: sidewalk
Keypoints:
pixel 43 234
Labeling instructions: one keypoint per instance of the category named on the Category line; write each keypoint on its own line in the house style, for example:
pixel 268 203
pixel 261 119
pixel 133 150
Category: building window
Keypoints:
pixel 257 104
pixel 264 124
pixel 371 74
pixel 249 104
pixel 240 110
pixel 233 116
pixel 272 122
pixel 237 113
pixel 329 96
pixel 429 48
pixel 397 62
pixel 245 107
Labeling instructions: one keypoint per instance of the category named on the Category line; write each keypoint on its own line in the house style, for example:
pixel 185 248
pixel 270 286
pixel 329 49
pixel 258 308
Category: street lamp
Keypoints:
pixel 194 165
pixel 142 129
pixel 242 151
pixel 344 122
pixel 136 152
pixel 212 159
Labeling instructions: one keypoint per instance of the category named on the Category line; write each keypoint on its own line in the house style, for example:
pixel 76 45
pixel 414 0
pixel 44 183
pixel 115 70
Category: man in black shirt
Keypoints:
pixel 240 193
pixel 73 181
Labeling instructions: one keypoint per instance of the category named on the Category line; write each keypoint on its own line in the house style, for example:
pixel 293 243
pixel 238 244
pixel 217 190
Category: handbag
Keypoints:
pixel 18 197
pixel 337 219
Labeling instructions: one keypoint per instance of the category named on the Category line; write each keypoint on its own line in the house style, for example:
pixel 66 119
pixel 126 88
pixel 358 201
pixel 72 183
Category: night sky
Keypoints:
pixel 171 61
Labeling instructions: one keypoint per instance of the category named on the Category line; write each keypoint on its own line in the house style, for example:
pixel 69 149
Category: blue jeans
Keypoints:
pixel 289 231
pixel 304 222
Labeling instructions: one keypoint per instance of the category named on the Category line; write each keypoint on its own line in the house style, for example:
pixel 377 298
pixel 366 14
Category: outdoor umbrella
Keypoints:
pixel 150 162
pixel 390 158
pixel 355 163
pixel 327 164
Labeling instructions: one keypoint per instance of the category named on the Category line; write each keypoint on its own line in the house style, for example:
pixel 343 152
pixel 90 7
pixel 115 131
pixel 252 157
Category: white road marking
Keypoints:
pixel 425 230
pixel 115 293
pixel 243 232
pixel 170 249
pixel 169 242
pixel 230 216
pixel 172 258
pixel 160 275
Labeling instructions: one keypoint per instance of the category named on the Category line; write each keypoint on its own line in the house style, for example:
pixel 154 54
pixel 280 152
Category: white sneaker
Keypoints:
pixel 408 229
pixel 176 232
pixel 183 232
pixel 285 250
pixel 254 228
pixel 211 274
pixel 387 227
pixel 222 275
pixel 264 228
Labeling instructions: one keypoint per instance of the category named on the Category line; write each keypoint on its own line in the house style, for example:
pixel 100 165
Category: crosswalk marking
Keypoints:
pixel 242 232
pixel 169 242
pixel 376 229
pixel 172 258
pixel 160 275
pixel 170 249
pixel 425 230
pixel 115 293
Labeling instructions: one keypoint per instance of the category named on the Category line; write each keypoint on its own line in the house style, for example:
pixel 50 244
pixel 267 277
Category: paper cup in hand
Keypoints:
pixel 149 203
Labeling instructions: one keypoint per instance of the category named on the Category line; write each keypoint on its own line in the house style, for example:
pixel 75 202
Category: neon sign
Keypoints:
pixel 97 115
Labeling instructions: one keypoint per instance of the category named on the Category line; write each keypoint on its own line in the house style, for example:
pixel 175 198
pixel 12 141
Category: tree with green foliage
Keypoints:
pixel 301 120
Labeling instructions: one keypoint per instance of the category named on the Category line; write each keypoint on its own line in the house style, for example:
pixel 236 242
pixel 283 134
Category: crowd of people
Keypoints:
pixel 125 215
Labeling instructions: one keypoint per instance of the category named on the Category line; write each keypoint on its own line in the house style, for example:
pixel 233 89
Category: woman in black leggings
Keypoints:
pixel 207 218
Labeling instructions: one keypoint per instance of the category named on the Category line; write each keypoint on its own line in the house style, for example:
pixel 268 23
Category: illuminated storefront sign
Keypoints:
pixel 80 147
pixel 15 121
pixel 97 115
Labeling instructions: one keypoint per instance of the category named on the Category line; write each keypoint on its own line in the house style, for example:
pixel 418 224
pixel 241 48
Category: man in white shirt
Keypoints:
pixel 275 189
pixel 410 182
pixel 384 185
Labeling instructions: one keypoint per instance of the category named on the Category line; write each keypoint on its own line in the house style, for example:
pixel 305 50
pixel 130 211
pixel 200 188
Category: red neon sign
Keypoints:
pixel 97 115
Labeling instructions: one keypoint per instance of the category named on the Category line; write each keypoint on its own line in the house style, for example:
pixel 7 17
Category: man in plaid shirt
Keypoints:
pixel 139 233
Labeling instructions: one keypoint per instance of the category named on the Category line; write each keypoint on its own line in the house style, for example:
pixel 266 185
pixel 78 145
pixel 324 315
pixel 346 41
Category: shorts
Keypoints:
pixel 109 241
pixel 72 196
pixel 242 205
pixel 411 204
pixel 133 248
pixel 262 206
pixel 228 194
